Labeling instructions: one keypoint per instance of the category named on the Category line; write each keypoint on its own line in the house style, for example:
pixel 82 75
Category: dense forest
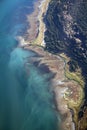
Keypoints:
pixel 66 22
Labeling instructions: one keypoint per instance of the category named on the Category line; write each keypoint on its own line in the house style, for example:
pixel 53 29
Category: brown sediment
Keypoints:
pixel 32 19
pixel 43 8
pixel 35 32
pixel 82 124
pixel 67 89
pixel 68 93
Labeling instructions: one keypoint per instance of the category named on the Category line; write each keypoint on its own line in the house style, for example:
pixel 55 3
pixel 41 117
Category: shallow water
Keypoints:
pixel 25 102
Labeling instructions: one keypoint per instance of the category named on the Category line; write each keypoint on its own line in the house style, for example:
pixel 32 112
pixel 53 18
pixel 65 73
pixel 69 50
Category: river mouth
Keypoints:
pixel 25 100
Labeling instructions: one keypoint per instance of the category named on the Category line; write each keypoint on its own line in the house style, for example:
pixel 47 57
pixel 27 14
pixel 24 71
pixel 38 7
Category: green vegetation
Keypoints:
pixel 53 36
pixel 58 42
pixel 56 39
pixel 73 65
pixel 82 17
pixel 76 76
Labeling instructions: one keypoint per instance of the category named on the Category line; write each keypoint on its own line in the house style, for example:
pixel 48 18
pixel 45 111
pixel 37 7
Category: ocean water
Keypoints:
pixel 25 102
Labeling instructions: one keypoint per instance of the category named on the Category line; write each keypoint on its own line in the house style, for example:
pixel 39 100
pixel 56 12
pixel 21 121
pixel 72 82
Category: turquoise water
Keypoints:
pixel 25 102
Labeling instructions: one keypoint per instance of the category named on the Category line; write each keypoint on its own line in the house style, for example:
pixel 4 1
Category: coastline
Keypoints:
pixel 35 33
pixel 42 11
pixel 67 92
pixel 63 87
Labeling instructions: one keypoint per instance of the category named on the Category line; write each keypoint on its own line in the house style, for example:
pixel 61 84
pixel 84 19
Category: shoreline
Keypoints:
pixel 35 33
pixel 42 27
pixel 62 87
pixel 67 92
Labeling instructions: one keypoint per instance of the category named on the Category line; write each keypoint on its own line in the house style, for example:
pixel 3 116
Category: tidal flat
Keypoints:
pixel 25 101
pixel 35 92
pixel 68 91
